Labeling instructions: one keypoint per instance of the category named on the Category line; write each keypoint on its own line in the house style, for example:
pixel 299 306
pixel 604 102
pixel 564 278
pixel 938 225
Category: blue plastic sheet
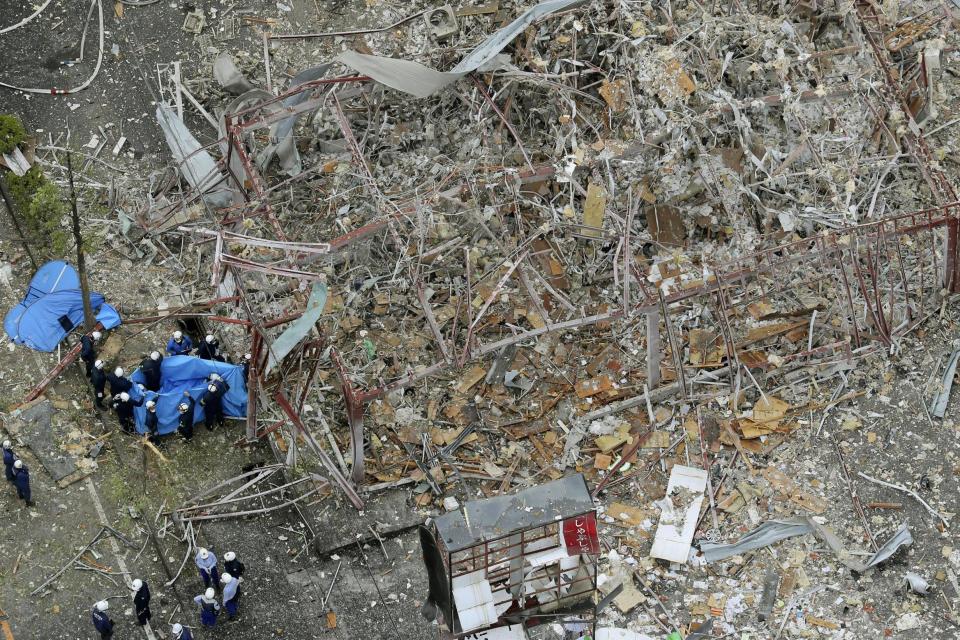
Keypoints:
pixel 54 300
pixel 188 373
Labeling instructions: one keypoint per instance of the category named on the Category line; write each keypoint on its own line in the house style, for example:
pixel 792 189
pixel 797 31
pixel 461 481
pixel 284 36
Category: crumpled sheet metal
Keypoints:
pixel 776 530
pixel 195 163
pixel 422 81
pixel 299 328
pixel 938 405
pixel 225 72
pixel 249 99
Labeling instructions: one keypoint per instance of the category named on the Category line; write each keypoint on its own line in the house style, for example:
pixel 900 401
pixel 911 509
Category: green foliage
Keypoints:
pixel 12 133
pixel 42 208
pixel 23 188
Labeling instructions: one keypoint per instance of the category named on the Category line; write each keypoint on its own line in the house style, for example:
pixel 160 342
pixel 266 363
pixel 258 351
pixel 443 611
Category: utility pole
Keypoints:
pixel 88 318
pixel 16 222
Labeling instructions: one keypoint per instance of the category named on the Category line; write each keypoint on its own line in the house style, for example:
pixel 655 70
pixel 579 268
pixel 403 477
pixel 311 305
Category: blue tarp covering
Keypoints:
pixel 54 294
pixel 188 373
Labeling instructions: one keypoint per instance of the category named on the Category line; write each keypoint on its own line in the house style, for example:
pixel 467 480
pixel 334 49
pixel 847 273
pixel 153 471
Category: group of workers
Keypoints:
pixel 17 473
pixel 120 397
pixel 228 582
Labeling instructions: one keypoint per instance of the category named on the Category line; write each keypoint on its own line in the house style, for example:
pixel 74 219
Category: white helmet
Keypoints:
pixel 209 337
pixel 247 356
pixel 214 376
pixel 225 577
pixel 155 355
pixel 118 372
pixel 103 605
pixel 176 630
pixel 229 556
pixel 124 396
pixel 177 335
pixel 98 364
pixel 151 404
pixel 6 444
pixel 95 335
pixel 210 593
pixel 203 553
pixel 183 407
pixel 18 464
pixel 212 388
pixel 136 584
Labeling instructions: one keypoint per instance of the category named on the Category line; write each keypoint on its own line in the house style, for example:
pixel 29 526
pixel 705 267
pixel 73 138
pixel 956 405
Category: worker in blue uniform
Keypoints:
pixel 179 344
pixel 247 357
pixel 209 608
pixel 99 380
pixel 212 402
pixel 180 632
pixel 207 565
pixel 124 408
pixel 232 565
pixel 88 350
pixel 231 595
pixel 102 621
pixel 151 422
pixel 141 601
pixel 118 382
pixel 185 409
pixel 9 457
pixel 151 371
pixel 21 478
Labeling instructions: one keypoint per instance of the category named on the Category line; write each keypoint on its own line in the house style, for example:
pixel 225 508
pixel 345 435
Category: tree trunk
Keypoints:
pixel 88 319
pixel 16 222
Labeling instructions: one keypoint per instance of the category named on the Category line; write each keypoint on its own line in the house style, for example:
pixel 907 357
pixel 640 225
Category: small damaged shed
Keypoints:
pixel 512 562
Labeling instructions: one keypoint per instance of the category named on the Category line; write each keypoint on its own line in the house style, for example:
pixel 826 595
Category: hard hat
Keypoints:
pixel 103 605
pixel 95 335
pixel 177 335
pixel 209 337
pixel 247 356
pixel 214 376
pixel 18 464
pixel 124 396
pixel 118 372
pixel 177 629
pixel 183 407
pixel 6 444
pixel 136 584
pixel 209 593
pixel 151 404
pixel 155 355
pixel 225 577
pixel 98 364
pixel 229 556
pixel 203 553
pixel 212 388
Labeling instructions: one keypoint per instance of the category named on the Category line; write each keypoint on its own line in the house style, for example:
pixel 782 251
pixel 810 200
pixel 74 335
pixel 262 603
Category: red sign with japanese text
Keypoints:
pixel 580 535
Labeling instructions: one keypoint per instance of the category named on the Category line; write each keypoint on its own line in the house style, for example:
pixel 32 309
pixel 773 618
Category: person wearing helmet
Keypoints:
pixel 124 405
pixel 101 621
pixel 247 357
pixel 151 371
pixel 212 402
pixel 185 420
pixel 180 632
pixel 207 565
pixel 99 380
pixel 118 382
pixel 179 344
pixel 9 457
pixel 150 420
pixel 141 601
pixel 233 566
pixel 21 478
pixel 209 349
pixel 209 608
pixel 88 350
pixel 231 595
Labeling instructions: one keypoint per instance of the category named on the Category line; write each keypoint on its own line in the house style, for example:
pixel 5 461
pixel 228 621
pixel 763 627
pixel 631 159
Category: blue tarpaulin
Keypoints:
pixel 53 307
pixel 188 373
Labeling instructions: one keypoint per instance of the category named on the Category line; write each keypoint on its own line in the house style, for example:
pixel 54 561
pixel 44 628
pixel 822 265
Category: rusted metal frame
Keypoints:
pixel 253 382
pixel 873 260
pixel 249 265
pixel 627 261
pixel 837 257
pixel 234 140
pixel 339 479
pixel 217 251
pixel 891 299
pixel 52 375
pixel 432 322
pixel 494 294
pixel 503 118
pixel 465 355
pixel 903 273
pixel 355 407
pixel 728 341
pixel 677 356
pixel 866 298
pixel 315 348
pixel 239 238
pixel 285 112
pixel 352 142
pixel 276 322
